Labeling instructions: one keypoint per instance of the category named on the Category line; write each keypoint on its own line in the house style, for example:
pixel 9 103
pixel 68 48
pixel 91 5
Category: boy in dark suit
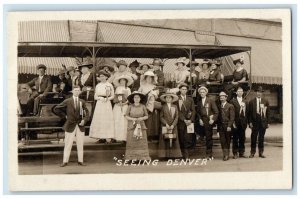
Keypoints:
pixel 258 121
pixel 208 114
pixel 240 124
pixel 77 115
pixel 225 121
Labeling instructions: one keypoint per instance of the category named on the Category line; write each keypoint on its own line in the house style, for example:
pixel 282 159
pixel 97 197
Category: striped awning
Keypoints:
pixel 266 58
pixel 27 65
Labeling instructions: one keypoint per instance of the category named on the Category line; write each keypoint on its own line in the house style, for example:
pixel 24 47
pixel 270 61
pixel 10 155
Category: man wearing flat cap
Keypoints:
pixel 207 114
pixel 225 122
pixel 258 119
pixel 42 84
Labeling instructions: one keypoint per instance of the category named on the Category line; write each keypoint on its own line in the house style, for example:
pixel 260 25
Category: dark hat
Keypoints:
pixel 159 61
pixel 86 63
pixel 142 96
pixel 41 66
pixel 205 61
pixel 122 62
pixel 239 60
pixel 141 66
pixel 192 63
pixel 222 93
pixel 216 62
pixel 103 72
pixel 182 85
pixel 103 65
pixel 260 89
pixel 134 64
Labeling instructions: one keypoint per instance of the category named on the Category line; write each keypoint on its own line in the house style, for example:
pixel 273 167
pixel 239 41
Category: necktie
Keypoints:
pixel 259 106
pixel 76 103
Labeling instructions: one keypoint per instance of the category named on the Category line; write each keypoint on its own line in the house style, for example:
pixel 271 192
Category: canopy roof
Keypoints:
pixel 83 49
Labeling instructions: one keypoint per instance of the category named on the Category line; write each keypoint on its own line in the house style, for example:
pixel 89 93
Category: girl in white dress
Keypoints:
pixel 121 104
pixel 102 126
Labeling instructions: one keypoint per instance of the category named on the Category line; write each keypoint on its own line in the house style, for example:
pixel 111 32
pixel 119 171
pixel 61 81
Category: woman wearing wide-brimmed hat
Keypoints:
pixel 122 70
pixel 137 144
pixel 168 146
pixel 181 74
pixel 204 72
pixel 120 106
pixel 102 125
pixel 133 66
pixel 148 88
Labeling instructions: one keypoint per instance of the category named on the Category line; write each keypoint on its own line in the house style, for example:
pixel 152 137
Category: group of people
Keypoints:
pixel 132 107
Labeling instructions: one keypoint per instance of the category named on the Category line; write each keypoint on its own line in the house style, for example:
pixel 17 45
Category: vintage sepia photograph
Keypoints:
pixel 197 96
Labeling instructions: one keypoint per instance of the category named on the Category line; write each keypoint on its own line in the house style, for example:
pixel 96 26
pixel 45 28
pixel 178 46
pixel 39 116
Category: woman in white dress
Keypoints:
pixel 121 104
pixel 181 74
pixel 149 89
pixel 102 126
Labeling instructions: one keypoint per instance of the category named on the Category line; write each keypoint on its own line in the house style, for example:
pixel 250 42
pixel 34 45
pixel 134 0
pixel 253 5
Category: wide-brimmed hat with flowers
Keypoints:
pixel 181 60
pixel 103 72
pixel 129 79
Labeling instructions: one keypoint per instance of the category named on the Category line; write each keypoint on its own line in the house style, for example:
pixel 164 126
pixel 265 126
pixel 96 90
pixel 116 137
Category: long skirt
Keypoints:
pixel 165 150
pixel 153 124
pixel 102 125
pixel 137 149
pixel 120 122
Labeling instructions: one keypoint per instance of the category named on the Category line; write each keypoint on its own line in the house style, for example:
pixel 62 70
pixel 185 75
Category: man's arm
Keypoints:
pixel 58 109
pixel 49 86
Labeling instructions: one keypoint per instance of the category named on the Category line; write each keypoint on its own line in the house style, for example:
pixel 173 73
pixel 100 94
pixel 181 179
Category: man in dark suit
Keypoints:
pixel 74 109
pixel 42 84
pixel 86 80
pixel 186 116
pixel 240 124
pixel 208 114
pixel 225 122
pixel 258 121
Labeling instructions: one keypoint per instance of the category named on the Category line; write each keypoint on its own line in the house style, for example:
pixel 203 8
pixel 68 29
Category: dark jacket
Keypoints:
pixel 253 116
pixel 211 107
pixel 88 82
pixel 226 117
pixel 187 111
pixel 241 120
pixel 166 116
pixel 67 108
pixel 215 76
pixel 46 84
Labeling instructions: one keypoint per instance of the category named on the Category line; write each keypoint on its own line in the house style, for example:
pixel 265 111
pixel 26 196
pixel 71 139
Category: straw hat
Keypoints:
pixel 203 88
pixel 122 62
pixel 129 79
pixel 180 60
pixel 168 93
pixel 41 66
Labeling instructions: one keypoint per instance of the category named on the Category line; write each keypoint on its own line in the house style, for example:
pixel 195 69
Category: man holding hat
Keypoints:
pixel 225 122
pixel 42 84
pixel 208 114
pixel 258 121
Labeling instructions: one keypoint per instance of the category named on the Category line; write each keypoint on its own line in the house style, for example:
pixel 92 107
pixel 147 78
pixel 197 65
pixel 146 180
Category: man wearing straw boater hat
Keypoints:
pixel 225 122
pixel 42 84
pixel 258 121
pixel 208 114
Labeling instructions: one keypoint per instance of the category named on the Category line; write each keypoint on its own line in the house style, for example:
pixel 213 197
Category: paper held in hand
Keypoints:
pixel 190 128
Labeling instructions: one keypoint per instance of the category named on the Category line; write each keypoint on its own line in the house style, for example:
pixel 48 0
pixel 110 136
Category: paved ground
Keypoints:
pixel 103 158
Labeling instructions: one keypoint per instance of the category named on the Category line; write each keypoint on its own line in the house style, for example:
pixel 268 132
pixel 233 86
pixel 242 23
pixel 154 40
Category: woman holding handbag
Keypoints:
pixel 168 146
pixel 137 144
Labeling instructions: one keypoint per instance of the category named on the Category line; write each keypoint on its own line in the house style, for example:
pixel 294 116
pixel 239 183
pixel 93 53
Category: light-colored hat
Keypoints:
pixel 149 73
pixel 203 88
pixel 159 61
pixel 61 71
pixel 222 93
pixel 70 68
pixel 41 66
pixel 239 60
pixel 168 93
pixel 122 62
pixel 129 79
pixel 181 60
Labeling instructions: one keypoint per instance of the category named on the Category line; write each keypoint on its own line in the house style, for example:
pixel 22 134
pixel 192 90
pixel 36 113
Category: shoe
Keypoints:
pixel 64 164
pixel 225 158
pixel 242 156
pixel 81 164
pixel 262 156
pixel 100 141
pixel 209 157
pixel 235 156
pixel 251 156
